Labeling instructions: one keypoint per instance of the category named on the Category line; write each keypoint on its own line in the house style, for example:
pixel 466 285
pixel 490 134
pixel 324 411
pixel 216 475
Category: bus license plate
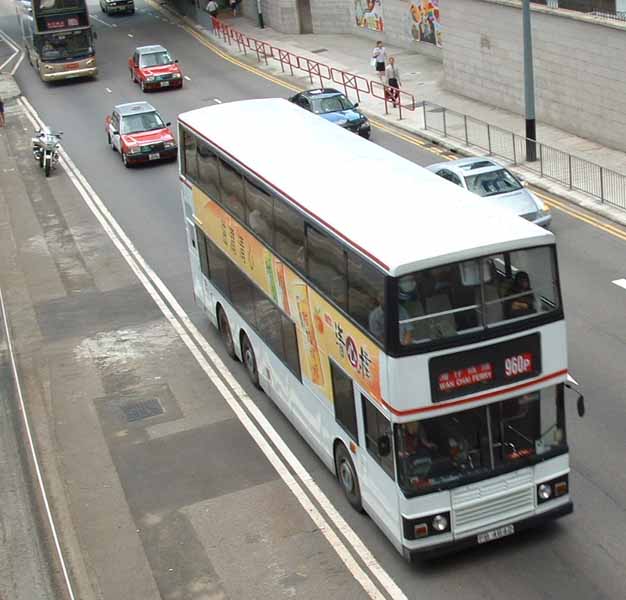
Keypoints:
pixel 71 66
pixel 154 156
pixel 495 534
pixel 165 84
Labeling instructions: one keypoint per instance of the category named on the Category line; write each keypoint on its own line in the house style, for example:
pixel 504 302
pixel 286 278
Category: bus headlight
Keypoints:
pixel 555 488
pixel 440 523
pixel 544 491
pixel 426 526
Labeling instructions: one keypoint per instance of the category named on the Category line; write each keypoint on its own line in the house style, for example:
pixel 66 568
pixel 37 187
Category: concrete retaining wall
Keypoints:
pixel 580 71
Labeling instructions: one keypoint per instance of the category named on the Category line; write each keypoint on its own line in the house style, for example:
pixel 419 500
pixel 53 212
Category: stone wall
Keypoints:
pixel 580 71
pixel 281 15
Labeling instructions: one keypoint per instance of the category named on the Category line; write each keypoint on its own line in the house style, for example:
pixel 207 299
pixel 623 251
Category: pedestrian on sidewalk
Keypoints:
pixel 1 113
pixel 233 5
pixel 392 73
pixel 212 8
pixel 379 56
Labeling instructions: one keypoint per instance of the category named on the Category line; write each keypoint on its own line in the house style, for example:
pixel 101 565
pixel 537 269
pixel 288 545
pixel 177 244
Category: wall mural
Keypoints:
pixel 424 21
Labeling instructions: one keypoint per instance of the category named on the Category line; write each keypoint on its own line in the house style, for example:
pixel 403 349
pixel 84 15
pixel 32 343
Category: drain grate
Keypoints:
pixel 142 410
pixel 319 50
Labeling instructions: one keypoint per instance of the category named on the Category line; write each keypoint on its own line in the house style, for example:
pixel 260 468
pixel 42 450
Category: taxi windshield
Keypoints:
pixel 155 59
pixel 330 104
pixel 146 121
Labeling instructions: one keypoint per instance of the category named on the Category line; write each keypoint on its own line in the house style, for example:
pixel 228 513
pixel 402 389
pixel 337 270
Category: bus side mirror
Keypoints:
pixel 580 406
pixel 384 445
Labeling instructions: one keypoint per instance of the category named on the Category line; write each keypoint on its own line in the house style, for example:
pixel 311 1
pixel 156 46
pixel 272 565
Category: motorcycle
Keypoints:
pixel 46 145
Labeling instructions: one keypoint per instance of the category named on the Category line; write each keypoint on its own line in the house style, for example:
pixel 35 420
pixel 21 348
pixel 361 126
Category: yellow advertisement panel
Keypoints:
pixel 322 331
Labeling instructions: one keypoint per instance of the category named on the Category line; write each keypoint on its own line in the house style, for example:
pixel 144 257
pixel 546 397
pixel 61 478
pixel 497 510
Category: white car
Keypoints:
pixel 486 178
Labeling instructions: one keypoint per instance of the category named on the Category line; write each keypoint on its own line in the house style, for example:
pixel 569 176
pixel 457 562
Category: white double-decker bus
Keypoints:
pixel 415 338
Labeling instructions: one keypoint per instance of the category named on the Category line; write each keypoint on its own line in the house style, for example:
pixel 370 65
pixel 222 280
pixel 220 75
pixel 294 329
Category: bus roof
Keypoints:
pixel 400 215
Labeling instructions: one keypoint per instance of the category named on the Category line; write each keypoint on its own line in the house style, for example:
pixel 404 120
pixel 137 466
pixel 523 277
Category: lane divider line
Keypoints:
pixel 34 454
pixel 251 417
pixel 620 283
pixel 590 220
pixel 112 25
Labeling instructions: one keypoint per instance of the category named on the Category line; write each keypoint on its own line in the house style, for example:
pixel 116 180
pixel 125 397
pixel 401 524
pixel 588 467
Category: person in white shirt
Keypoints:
pixel 392 73
pixel 380 56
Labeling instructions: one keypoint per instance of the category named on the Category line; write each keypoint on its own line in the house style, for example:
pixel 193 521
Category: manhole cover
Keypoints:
pixel 319 50
pixel 142 410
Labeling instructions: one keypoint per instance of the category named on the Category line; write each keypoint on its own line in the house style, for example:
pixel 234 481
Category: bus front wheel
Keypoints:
pixel 225 334
pixel 346 473
pixel 249 360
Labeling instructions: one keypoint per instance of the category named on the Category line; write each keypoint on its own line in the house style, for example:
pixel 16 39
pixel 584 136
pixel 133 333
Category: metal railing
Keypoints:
pixel 571 171
pixel 576 173
pixel 315 70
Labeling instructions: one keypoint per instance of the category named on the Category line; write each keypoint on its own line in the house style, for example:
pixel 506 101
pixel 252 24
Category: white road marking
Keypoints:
pixel 197 344
pixel 11 44
pixel 217 100
pixel 187 78
pixel 109 90
pixel 33 451
pixel 620 282
pixel 18 63
pixel 103 22
pixel 130 35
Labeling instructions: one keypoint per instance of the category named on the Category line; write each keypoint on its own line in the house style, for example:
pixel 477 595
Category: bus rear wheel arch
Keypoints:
pixel 225 332
pixel 249 360
pixel 347 476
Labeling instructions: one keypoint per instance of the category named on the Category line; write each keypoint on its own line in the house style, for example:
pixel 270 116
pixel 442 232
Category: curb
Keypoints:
pixel 584 201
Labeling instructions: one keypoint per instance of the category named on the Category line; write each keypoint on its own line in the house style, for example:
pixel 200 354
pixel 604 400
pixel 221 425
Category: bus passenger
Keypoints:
pixel 522 304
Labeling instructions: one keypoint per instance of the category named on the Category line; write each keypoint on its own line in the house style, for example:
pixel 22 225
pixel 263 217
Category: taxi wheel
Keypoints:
pixel 125 160
pixel 346 473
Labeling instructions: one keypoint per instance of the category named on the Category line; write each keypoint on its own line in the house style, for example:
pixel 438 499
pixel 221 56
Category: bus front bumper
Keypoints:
pixel 58 75
pixel 448 547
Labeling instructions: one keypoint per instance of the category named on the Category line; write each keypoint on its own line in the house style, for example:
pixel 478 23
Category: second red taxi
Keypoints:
pixel 154 69
pixel 138 133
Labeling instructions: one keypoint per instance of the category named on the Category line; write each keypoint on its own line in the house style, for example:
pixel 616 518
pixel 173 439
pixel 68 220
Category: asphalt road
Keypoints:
pixel 581 557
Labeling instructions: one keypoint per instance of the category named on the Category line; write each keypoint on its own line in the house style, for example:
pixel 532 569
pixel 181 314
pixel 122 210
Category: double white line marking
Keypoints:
pixel 374 580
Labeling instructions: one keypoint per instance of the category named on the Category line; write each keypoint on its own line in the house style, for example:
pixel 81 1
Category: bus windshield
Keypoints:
pixel 65 45
pixel 477 443
pixel 470 296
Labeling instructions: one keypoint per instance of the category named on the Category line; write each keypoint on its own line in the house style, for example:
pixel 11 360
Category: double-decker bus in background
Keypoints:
pixel 414 338
pixel 58 39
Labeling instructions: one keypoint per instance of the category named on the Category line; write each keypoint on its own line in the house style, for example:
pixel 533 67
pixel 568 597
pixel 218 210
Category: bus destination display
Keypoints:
pixel 463 373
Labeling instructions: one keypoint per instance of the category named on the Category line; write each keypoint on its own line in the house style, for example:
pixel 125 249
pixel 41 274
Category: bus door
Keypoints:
pixel 378 484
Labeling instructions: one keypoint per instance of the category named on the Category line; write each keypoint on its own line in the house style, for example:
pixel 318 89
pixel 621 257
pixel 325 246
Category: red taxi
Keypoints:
pixel 138 133
pixel 154 69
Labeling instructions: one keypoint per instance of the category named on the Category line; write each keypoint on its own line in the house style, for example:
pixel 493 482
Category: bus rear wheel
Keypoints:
pixel 346 473
pixel 225 334
pixel 249 360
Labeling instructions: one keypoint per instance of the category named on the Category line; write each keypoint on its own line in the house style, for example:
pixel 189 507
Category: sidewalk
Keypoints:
pixel 423 78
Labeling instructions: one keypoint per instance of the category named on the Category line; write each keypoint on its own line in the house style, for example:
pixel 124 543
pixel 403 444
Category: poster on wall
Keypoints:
pixel 369 14
pixel 424 20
